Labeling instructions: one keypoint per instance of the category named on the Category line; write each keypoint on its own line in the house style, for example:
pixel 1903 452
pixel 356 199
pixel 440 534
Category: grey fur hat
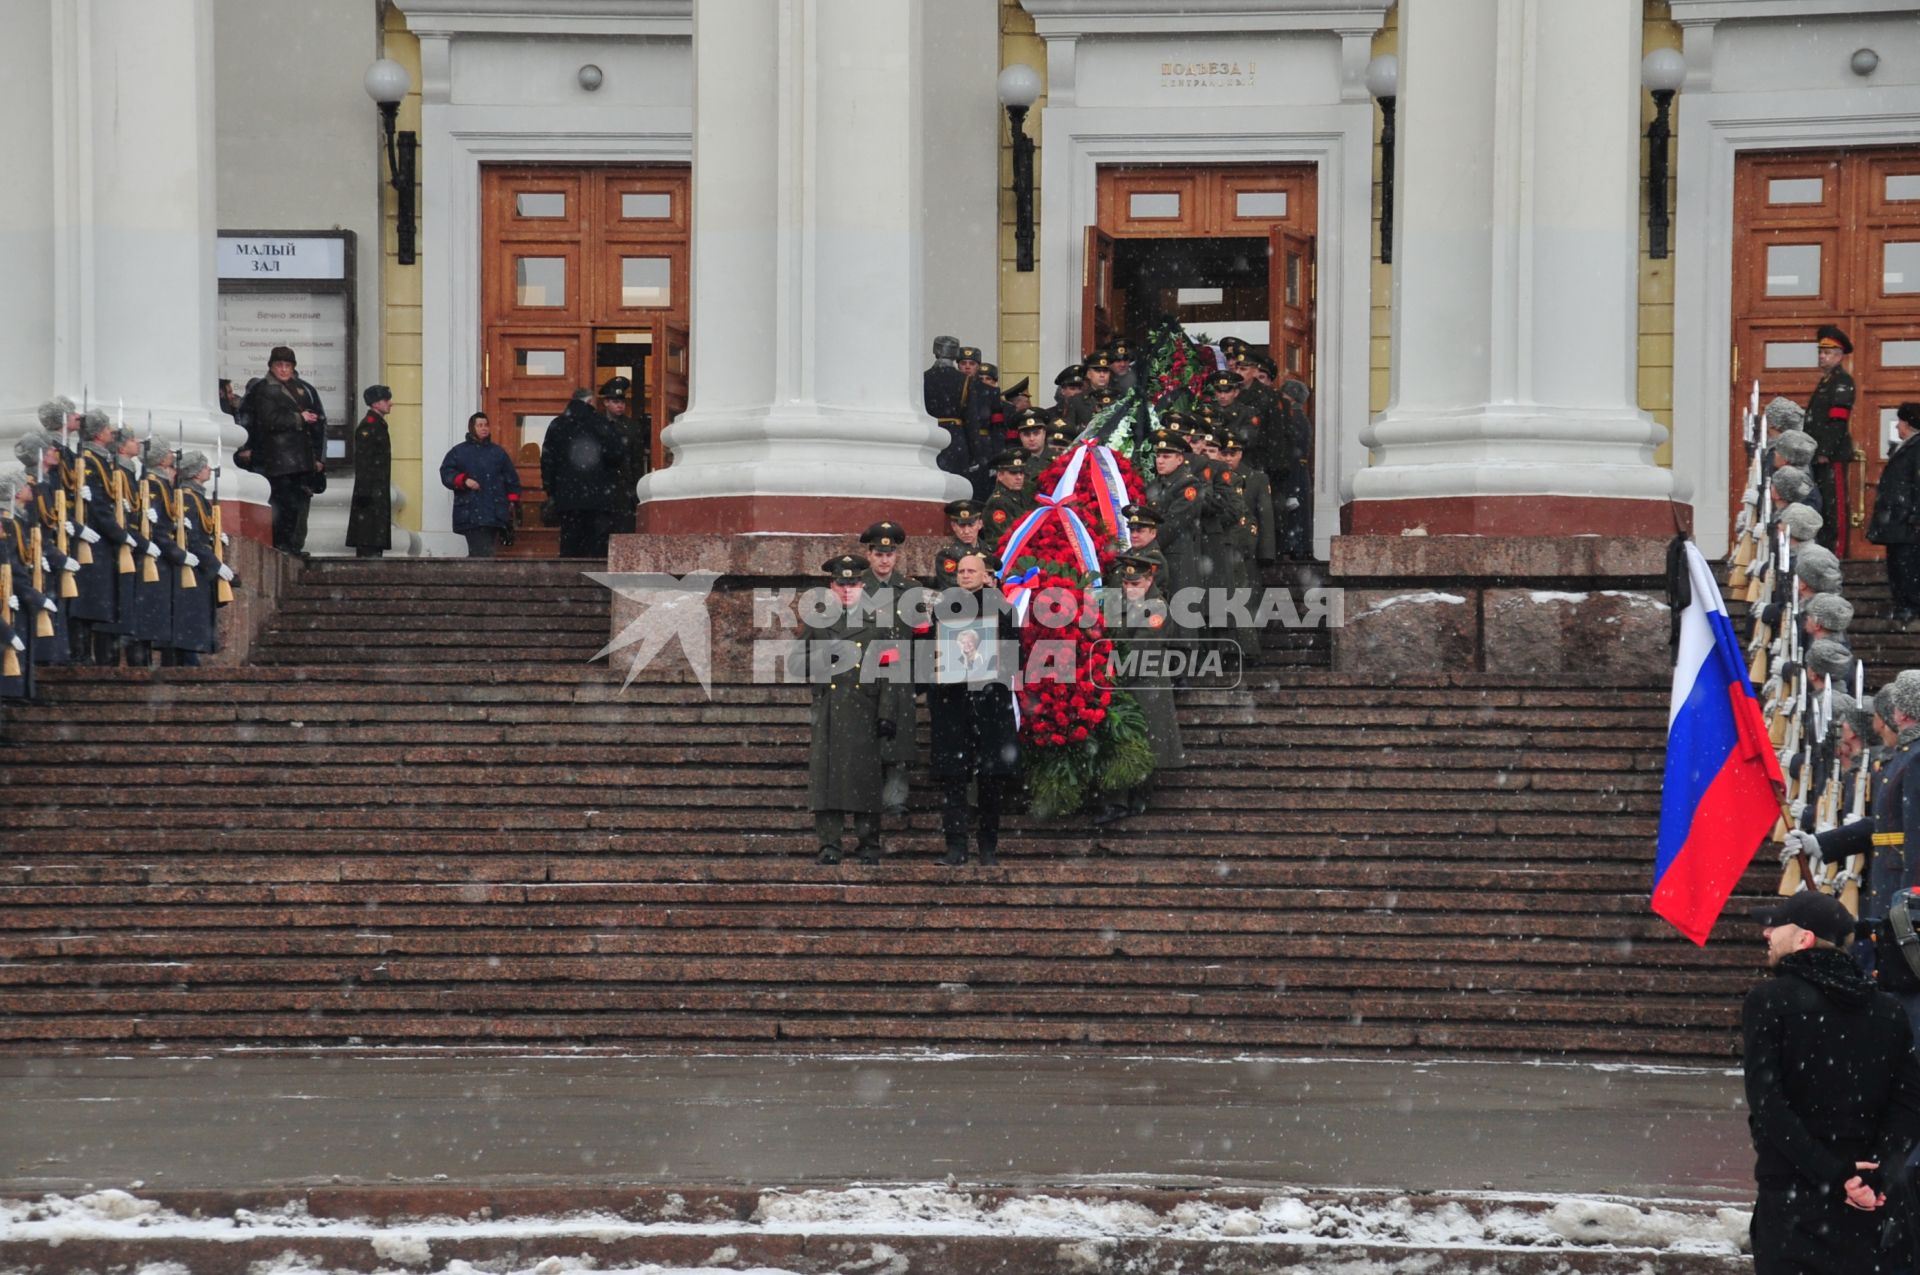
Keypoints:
pixel 54 413
pixel 157 450
pixel 1791 485
pixel 1796 447
pixel 1784 413
pixel 10 484
pixel 1829 658
pixel 93 422
pixel 1903 696
pixel 1845 710
pixel 191 465
pixel 1830 611
pixel 946 347
pixel 1883 703
pixel 28 448
pixel 1818 569
pixel 1803 522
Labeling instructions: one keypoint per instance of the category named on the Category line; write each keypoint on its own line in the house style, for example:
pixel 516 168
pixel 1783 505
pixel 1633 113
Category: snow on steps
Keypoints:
pixel 938 1229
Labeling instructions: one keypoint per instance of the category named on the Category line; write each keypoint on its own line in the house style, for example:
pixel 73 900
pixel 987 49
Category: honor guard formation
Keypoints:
pixel 111 552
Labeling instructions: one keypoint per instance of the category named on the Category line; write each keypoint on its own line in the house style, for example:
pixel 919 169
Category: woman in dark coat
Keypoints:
pixel 974 737
pixel 1896 517
pixel 485 485
pixel 370 519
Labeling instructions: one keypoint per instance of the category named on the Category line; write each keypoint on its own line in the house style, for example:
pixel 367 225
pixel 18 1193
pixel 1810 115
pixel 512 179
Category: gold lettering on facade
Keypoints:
pixel 1196 73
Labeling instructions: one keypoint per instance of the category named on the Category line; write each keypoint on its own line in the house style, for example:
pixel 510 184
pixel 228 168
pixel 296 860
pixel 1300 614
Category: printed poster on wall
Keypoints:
pixel 314 325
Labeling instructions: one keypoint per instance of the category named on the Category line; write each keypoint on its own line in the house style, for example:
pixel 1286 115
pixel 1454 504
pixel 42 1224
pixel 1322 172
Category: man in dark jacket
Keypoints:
pixel 580 467
pixel 616 404
pixel 1896 517
pixel 975 739
pixel 1833 1093
pixel 286 445
pixel 370 517
pixel 943 387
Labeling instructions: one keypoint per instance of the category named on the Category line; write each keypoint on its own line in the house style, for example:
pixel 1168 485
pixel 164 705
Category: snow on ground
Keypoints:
pixel 1478 1221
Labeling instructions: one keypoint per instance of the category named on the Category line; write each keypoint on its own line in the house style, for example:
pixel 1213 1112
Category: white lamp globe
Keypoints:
pixel 387 82
pixel 1019 85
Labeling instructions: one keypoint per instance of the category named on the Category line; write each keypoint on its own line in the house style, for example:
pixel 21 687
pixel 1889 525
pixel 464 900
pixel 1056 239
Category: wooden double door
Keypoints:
pixel 584 278
pixel 1228 249
pixel 1829 236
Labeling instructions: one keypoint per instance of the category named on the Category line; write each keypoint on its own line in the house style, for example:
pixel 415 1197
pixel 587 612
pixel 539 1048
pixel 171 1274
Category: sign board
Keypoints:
pixel 273 257
pixel 313 324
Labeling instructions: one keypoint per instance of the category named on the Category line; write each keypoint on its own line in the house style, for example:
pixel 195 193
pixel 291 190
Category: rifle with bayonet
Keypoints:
pixel 1751 536
pixel 222 591
pixel 37 571
pixel 10 662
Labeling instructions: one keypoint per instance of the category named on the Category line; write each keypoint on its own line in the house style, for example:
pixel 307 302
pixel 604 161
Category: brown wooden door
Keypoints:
pixel 1099 300
pixel 569 251
pixel 669 383
pixel 1290 293
pixel 1827 236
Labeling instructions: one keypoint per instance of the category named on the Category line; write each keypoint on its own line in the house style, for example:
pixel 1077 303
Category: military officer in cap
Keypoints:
pixel 1010 500
pixel 1097 367
pixel 1830 421
pixel 964 522
pixel 1031 429
pixel 1250 543
pixel 1018 397
pixel 845 770
pixel 1120 360
pixel 1068 385
pixel 978 401
pixel 943 387
pixel 1059 439
pixel 1143 525
pixel 885 581
pixel 616 404
pixel 1145 629
pixel 1182 499
pixel 370 516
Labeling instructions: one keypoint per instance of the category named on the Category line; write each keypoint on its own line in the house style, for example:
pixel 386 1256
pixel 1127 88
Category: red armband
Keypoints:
pixel 513 497
pixel 459 480
pixel 1840 413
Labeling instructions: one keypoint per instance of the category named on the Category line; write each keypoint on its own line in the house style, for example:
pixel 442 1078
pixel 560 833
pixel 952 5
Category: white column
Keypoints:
pixel 807 278
pixel 128 239
pixel 1515 306
pixel 26 219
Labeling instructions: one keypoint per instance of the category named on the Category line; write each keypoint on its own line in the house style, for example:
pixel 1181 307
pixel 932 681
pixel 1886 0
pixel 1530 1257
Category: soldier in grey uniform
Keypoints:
pixel 844 775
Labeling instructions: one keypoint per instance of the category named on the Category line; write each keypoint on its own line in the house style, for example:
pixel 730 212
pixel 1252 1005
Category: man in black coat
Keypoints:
pixel 1830 421
pixel 370 516
pixel 943 390
pixel 1896 517
pixel 580 466
pixel 1833 1093
pixel 286 445
pixel 975 740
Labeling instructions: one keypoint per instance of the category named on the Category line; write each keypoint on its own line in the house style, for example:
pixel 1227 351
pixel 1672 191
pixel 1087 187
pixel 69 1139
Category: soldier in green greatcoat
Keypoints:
pixel 844 762
pixel 1141 636
pixel 887 582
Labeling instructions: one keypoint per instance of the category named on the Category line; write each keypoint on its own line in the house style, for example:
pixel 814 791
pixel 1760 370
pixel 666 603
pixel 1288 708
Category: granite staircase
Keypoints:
pixel 422 817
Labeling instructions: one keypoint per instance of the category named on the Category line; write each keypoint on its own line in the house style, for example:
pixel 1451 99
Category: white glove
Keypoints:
pixel 13 603
pixel 48 604
pixel 1743 523
pixel 86 491
pixel 70 528
pixel 153 515
pixel 1751 496
pixel 1772 688
pixel 226 541
pixel 71 564
pixel 226 572
pixel 89 535
pixel 1795 810
pixel 153 550
pixel 1842 879
pixel 44 564
pixel 1799 843
pixel 18 645
pixel 193 559
pixel 186 522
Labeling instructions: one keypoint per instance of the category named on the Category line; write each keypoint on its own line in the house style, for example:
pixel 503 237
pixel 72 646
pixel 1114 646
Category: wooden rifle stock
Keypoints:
pixel 187 579
pixel 43 623
pixel 149 573
pixel 68 589
pixel 10 662
pixel 121 499
pixel 222 591
pixel 81 553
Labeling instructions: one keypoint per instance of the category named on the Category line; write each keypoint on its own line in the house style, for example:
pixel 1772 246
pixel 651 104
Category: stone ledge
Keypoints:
pixel 1504 559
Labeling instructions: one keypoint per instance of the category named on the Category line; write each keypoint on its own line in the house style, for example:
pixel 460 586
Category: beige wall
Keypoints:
pixel 400 294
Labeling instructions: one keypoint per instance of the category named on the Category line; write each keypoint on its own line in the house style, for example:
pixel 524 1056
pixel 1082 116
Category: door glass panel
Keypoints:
pixel 1902 186
pixel 1293 357
pixel 540 203
pixel 1796 190
pixel 1260 203
pixel 533 429
pixel 646 281
pixel 1900 354
pixel 540 281
pixel 1793 270
pixel 1293 279
pixel 1889 436
pixel 646 205
pixel 1148 205
pixel 1793 354
pixel 540 362
pixel 1900 268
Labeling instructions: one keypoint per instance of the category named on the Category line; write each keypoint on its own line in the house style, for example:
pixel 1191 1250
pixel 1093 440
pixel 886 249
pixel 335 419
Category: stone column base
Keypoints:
pixel 1493 604
pixel 718 516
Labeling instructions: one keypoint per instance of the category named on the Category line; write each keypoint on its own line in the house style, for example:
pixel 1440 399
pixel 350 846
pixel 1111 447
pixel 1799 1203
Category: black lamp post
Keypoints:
pixel 1383 82
pixel 387 84
pixel 1019 90
pixel 1662 71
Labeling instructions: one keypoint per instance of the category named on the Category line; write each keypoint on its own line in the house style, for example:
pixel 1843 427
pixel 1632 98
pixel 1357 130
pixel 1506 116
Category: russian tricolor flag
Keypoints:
pixel 1720 795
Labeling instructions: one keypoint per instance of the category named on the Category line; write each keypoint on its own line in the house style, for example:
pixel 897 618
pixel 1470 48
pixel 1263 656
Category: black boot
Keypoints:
pixel 955 855
pixel 988 857
pixel 829 855
pixel 869 852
